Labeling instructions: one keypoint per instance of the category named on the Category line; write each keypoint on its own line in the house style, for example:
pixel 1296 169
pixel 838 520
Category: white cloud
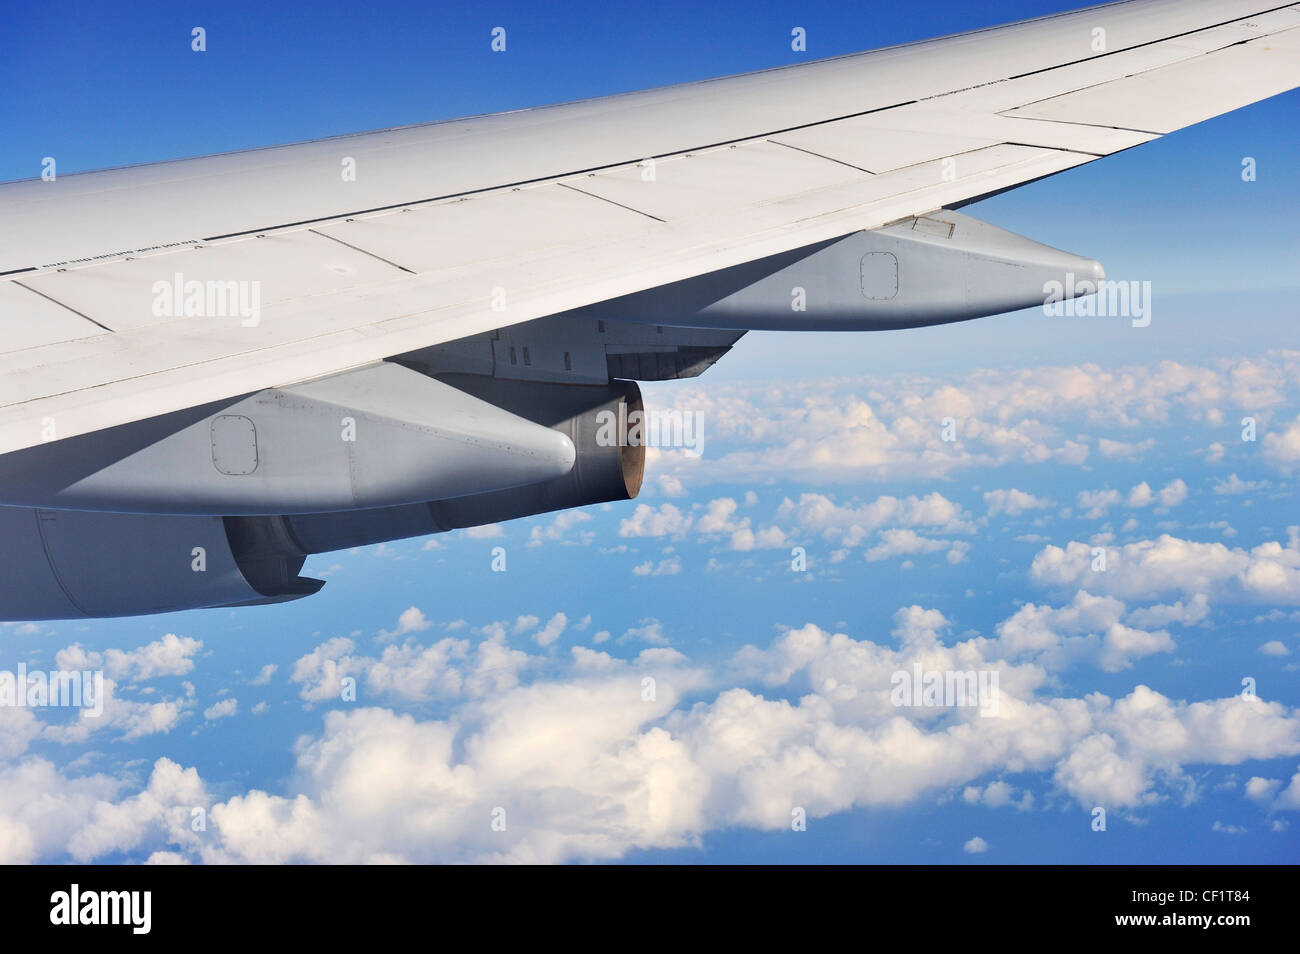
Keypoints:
pixel 1269 572
pixel 322 671
pixel 1095 503
pixel 1013 502
pixel 650 631
pixel 84 816
pixel 976 846
pixel 671 486
pixel 411 620
pixel 1283 447
pixel 552 630
pixel 716 518
pixel 1172 493
pixel 1289 799
pixel 558 529
pixel 998 794
pixel 1235 485
pixel 415 672
pixel 849 430
pixel 221 710
pixel 1123 450
pixel 896 543
pixel 1262 789
pixel 1190 613
pixel 1089 628
pixel 667 567
pixel 647 521
pixel 851 524
pixel 170 656
pixel 589 764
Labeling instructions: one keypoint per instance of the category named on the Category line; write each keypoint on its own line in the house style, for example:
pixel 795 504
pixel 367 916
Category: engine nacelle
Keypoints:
pixel 378 436
pixel 929 270
pixel 603 470
pixel 66 564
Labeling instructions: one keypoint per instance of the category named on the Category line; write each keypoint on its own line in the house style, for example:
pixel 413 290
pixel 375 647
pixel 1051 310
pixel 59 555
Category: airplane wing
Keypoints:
pixel 335 254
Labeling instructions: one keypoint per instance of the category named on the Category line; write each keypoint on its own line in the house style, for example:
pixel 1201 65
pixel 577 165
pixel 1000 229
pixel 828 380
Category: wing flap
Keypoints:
pixel 196 284
pixel 38 321
pixel 485 228
pixel 715 181
pixel 1174 96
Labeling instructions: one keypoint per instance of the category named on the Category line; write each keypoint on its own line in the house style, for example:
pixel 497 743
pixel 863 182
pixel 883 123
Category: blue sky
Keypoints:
pixel 518 689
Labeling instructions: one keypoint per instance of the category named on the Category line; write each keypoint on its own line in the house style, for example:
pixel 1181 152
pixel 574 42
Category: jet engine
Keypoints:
pixel 63 564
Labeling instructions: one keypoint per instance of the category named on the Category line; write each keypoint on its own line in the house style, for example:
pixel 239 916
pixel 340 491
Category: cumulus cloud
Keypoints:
pixel 998 794
pixel 552 630
pixel 717 518
pixel 221 710
pixel 1190 613
pixel 322 671
pixel 449 668
pixel 1089 627
pixel 850 524
pixel 1172 493
pixel 88 817
pixel 670 566
pixel 1269 572
pixel 1095 503
pixel 849 430
pixel 648 521
pixel 1283 447
pixel 1123 450
pixel 558 529
pixel 170 656
pixel 1013 502
pixel 1289 799
pixel 122 713
pixel 606 757
pixel 894 543
pixel 1235 485
pixel 411 620
pixel 1262 790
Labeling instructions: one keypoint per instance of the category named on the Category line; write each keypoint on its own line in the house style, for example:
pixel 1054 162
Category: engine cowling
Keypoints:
pixel 64 564
pixel 68 564
pixel 604 470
